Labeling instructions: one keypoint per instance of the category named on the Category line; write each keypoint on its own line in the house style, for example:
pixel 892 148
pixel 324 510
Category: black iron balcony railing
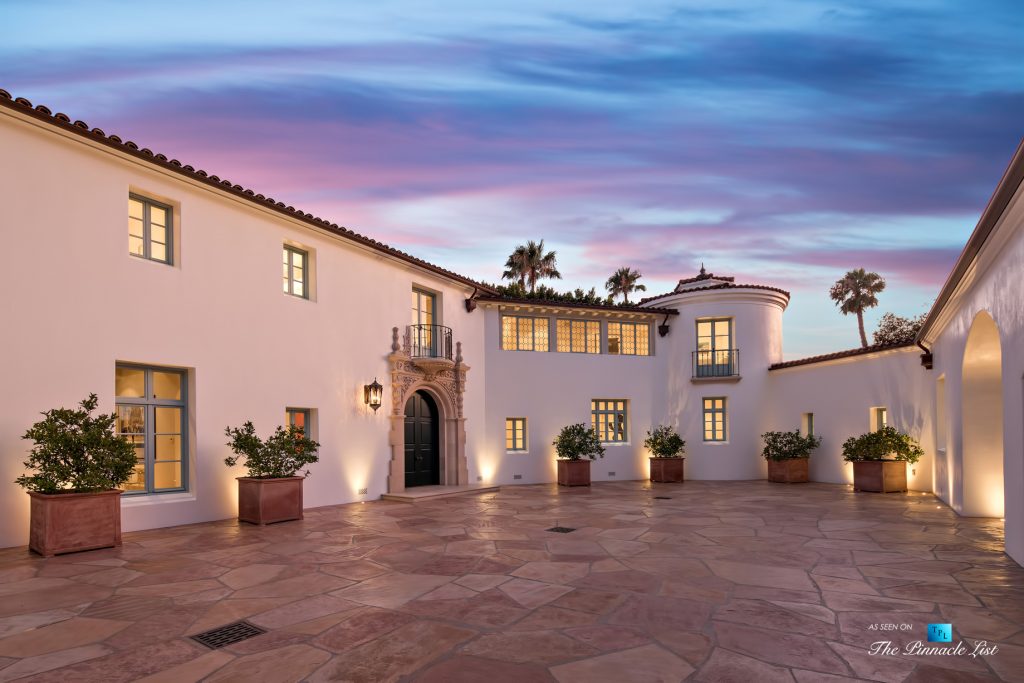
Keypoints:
pixel 720 363
pixel 429 341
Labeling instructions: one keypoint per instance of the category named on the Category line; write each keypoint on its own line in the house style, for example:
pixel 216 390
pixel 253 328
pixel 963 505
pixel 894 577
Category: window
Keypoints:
pixel 714 356
pixel 151 414
pixel 609 420
pixel 578 336
pixel 879 418
pixel 299 417
pixel 422 307
pixel 714 419
pixel 807 424
pixel 520 333
pixel 149 229
pixel 296 268
pixel 629 339
pixel 515 434
pixel 940 414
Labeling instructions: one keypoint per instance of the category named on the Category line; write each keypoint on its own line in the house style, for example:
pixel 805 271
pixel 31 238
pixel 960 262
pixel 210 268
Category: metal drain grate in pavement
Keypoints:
pixel 562 529
pixel 227 635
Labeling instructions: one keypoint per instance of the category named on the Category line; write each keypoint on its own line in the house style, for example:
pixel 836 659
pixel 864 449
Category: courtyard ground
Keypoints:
pixel 718 581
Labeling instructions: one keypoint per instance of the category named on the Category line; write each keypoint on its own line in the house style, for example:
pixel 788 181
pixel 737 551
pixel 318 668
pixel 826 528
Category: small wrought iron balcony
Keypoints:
pixel 429 341
pixel 718 363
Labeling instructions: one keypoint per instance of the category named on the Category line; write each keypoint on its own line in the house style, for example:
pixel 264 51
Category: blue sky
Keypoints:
pixel 783 143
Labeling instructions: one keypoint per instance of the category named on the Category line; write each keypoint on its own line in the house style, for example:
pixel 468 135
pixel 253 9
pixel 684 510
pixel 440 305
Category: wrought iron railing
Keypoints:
pixel 719 363
pixel 429 341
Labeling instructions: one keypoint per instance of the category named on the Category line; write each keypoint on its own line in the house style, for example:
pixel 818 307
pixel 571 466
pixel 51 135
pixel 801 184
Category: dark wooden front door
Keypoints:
pixel 422 455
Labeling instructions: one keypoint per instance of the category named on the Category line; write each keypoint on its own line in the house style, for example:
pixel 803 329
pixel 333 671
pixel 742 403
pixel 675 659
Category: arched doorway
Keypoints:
pixel 982 414
pixel 422 441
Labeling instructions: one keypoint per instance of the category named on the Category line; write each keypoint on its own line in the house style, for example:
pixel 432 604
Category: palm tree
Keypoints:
pixel 854 293
pixel 623 281
pixel 528 263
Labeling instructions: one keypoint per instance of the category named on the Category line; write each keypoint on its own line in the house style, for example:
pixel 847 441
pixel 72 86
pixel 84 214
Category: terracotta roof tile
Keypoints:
pixel 875 348
pixel 576 304
pixel 63 121
pixel 723 285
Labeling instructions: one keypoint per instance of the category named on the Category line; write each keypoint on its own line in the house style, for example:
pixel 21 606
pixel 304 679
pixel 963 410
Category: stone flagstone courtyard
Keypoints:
pixel 722 581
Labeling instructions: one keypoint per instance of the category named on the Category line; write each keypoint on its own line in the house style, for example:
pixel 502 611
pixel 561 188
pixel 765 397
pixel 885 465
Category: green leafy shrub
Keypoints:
pixel 885 444
pixel 788 445
pixel 75 452
pixel 663 442
pixel 578 441
pixel 283 454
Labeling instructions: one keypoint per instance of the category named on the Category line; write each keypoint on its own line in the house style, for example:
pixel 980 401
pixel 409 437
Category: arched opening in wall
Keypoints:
pixel 982 411
pixel 422 441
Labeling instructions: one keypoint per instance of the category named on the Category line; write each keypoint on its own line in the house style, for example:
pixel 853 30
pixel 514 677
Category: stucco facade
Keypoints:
pixel 84 304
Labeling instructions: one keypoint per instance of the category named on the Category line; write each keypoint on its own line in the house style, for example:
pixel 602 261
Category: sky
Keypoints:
pixel 780 142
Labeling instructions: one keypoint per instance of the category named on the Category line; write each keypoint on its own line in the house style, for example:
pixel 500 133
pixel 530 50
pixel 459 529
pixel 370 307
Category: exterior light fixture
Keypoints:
pixel 372 394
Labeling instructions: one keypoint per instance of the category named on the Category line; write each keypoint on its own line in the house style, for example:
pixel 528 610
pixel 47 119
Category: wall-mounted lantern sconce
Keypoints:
pixel 372 394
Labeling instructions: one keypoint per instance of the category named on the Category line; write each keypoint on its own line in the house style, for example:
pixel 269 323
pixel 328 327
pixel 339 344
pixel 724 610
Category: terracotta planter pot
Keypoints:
pixel 880 476
pixel 265 501
pixel 574 472
pixel 792 471
pixel 69 522
pixel 667 470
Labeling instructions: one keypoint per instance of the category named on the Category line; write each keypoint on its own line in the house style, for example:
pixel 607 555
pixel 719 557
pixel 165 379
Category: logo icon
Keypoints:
pixel 940 633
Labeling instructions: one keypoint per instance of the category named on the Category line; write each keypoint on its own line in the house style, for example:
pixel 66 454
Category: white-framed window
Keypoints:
pixel 879 418
pixel 807 424
pixel 715 356
pixel 515 434
pixel 524 333
pixel 629 339
pixel 715 423
pixel 296 272
pixel 578 336
pixel 610 419
pixel 150 229
pixel 152 413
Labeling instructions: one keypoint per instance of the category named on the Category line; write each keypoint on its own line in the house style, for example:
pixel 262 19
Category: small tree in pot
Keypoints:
pixel 880 459
pixel 788 455
pixel 667 449
pixel 79 461
pixel 576 445
pixel 273 490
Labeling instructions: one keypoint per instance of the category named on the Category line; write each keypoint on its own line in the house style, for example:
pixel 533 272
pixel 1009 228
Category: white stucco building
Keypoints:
pixel 188 303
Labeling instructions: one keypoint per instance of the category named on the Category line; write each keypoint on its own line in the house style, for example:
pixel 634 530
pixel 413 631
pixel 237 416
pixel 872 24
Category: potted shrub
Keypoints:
pixel 576 445
pixel 788 455
pixel 880 459
pixel 667 449
pixel 79 461
pixel 273 490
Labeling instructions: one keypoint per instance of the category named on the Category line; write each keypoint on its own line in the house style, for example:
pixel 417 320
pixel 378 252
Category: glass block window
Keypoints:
pixel 629 339
pixel 298 417
pixel 296 269
pixel 149 229
pixel 515 434
pixel 609 419
pixel 578 336
pixel 714 419
pixel 523 333
pixel 151 411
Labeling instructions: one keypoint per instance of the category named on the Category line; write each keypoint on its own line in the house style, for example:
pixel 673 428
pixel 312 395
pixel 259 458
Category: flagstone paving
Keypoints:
pixel 723 581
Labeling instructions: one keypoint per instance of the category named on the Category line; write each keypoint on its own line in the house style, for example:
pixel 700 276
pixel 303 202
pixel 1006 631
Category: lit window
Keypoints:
pixel 629 339
pixel 296 269
pixel 715 356
pixel 151 415
pixel 714 419
pixel 879 418
pixel 515 434
pixel 149 229
pixel 578 336
pixel 298 417
pixel 609 419
pixel 520 333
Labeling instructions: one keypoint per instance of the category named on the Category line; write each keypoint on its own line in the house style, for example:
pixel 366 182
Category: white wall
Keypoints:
pixel 995 284
pixel 82 303
pixel 841 394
